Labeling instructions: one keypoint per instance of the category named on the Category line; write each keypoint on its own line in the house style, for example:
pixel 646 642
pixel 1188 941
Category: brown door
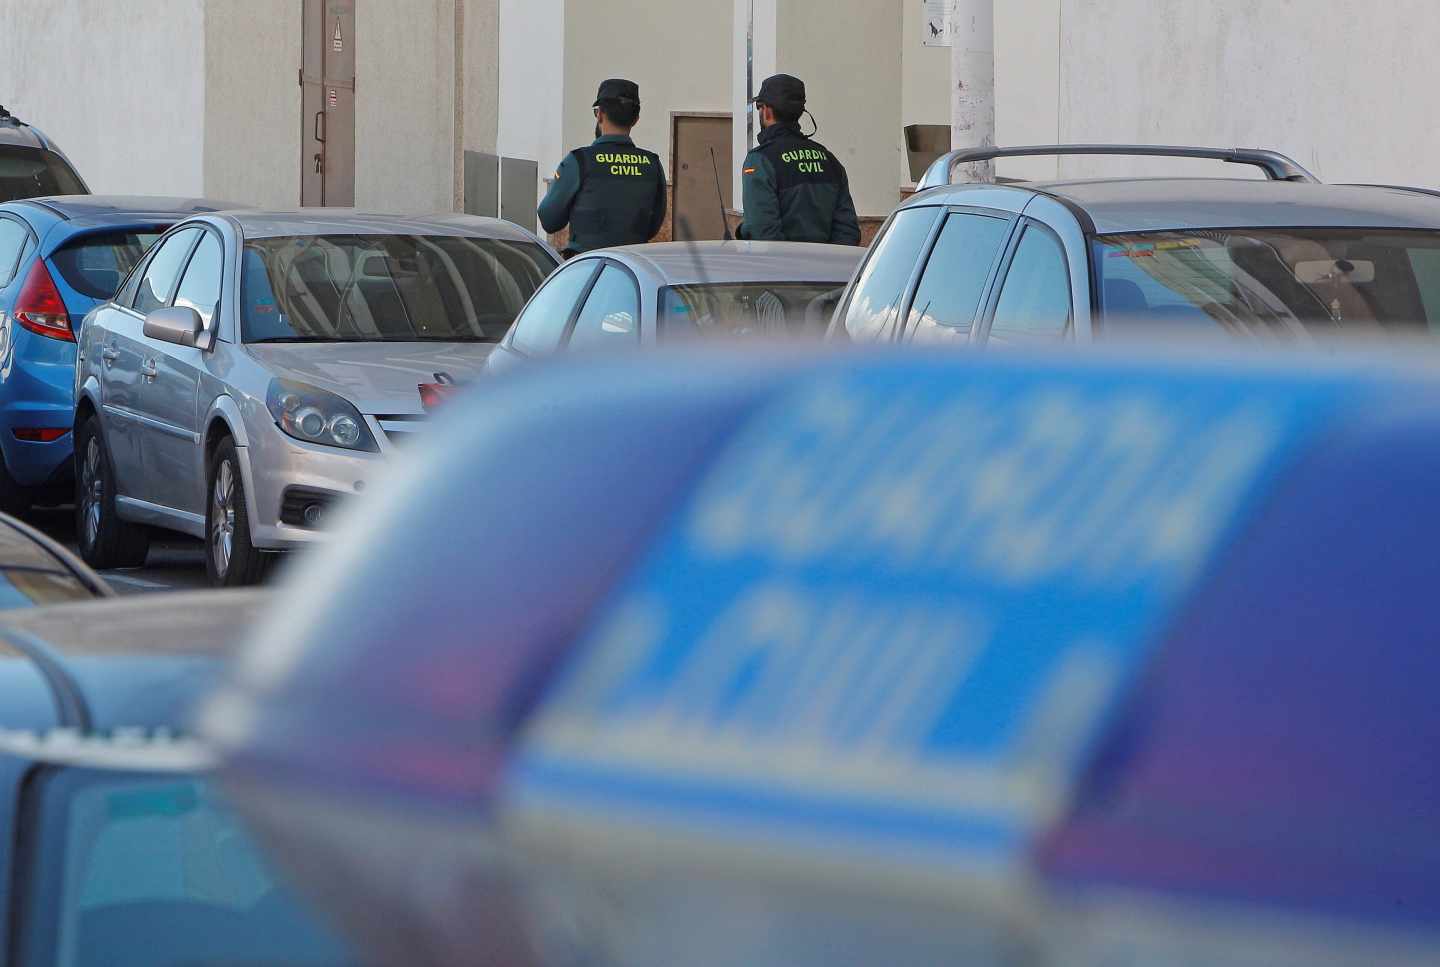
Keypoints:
pixel 698 199
pixel 327 79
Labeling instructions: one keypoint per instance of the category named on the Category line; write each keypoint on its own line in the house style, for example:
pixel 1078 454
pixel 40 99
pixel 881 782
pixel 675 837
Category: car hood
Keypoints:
pixel 379 378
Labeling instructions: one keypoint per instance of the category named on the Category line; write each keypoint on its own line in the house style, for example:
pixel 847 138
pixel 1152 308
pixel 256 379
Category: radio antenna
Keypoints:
pixel 720 197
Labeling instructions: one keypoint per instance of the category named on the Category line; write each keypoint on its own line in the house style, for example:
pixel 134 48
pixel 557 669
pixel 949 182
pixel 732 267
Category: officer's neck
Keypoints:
pixel 778 128
pixel 614 131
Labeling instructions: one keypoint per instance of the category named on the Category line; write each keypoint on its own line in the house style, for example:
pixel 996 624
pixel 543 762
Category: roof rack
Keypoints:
pixel 1276 166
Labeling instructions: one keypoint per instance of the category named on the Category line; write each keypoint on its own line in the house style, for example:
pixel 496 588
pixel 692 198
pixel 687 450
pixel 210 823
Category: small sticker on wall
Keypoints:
pixel 337 42
pixel 334 98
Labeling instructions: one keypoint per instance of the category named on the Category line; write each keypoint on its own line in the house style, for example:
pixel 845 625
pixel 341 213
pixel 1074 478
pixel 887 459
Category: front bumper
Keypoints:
pixel 274 464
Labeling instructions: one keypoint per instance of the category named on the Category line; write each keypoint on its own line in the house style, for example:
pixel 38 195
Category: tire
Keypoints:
pixel 105 540
pixel 231 561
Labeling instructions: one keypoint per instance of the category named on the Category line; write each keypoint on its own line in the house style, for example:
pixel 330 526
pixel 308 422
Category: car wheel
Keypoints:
pixel 105 540
pixel 230 559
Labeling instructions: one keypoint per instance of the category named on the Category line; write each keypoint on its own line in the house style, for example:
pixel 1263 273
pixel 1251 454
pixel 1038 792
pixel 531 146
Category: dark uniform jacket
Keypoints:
pixel 610 193
pixel 796 191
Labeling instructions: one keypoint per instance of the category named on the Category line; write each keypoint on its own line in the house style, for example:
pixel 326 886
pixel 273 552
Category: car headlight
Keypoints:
pixel 315 416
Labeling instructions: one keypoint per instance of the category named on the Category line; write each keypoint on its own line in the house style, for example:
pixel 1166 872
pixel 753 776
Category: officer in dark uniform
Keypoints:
pixel 610 193
pixel 795 189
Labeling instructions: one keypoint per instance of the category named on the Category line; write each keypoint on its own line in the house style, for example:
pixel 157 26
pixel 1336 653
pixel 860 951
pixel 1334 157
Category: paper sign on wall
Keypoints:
pixel 936 23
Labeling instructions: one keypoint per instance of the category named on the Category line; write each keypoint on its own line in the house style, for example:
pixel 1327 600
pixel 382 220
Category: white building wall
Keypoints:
pixel 252 102
pixel 119 86
pixel 848 52
pixel 677 54
pixel 405 105
pixel 1344 86
pixel 532 82
pixel 480 91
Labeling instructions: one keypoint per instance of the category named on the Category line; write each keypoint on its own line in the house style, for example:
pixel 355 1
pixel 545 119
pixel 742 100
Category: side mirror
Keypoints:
pixel 180 325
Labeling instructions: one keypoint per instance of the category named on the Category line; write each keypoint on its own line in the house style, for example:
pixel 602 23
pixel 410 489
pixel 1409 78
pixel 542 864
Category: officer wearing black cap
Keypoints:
pixel 610 193
pixel 795 189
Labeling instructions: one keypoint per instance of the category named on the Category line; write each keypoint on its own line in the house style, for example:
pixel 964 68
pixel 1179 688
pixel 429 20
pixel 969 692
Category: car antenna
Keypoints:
pixel 720 196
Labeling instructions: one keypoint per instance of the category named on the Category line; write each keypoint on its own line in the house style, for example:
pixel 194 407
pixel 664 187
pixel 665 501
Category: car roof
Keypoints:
pixel 1123 205
pixel 125 206
pixel 689 263
pixel 350 221
pixel 17 132
pixel 139 661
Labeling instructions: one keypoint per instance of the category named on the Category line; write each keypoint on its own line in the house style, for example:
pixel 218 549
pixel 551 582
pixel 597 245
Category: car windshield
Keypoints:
pixel 95 265
pixel 748 309
pixel 1271 282
pixel 34 172
pixel 125 869
pixel 387 288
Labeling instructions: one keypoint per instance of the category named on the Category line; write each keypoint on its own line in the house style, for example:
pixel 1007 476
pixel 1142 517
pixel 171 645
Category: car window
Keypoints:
pixel 1271 282
pixel 13 234
pixel 1035 297
pixel 875 301
pixel 200 287
pixel 27 172
pixel 132 868
pixel 542 325
pixel 95 265
pixel 158 283
pixel 611 316
pixel 746 310
pixel 386 288
pixel 949 294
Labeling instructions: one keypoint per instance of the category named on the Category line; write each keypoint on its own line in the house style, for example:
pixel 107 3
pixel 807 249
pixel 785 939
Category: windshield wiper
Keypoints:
pixel 274 339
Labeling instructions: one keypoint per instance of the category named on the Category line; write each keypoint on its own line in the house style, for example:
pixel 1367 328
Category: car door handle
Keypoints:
pixel 149 369
pixel 109 355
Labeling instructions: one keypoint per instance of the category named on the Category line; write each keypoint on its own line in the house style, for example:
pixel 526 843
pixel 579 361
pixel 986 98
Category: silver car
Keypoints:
pixel 257 367
pixel 644 294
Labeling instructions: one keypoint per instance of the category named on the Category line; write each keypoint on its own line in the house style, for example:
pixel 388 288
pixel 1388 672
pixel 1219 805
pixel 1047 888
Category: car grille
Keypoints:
pixel 402 428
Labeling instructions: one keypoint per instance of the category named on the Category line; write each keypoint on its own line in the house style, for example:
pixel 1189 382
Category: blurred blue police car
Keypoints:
pixel 895 659
pixel 59 258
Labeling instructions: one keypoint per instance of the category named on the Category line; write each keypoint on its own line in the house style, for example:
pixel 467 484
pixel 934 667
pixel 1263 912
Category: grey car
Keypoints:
pixel 1285 257
pixel 644 294
pixel 255 368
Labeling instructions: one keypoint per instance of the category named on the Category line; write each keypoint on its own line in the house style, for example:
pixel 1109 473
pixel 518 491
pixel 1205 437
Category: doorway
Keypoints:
pixel 703 154
pixel 327 125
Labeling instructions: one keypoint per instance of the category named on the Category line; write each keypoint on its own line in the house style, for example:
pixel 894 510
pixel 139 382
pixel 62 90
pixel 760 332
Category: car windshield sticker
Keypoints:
pixel 899 607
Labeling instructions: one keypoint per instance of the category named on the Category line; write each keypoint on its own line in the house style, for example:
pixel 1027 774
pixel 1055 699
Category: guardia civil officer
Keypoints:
pixel 610 193
pixel 795 189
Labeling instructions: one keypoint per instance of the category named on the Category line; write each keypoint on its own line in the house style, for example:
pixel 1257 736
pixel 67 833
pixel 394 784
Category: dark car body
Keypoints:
pixel 115 848
pixel 31 164
pixel 36 571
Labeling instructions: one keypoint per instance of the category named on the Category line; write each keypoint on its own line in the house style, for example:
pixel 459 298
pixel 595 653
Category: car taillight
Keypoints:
pixel 39 307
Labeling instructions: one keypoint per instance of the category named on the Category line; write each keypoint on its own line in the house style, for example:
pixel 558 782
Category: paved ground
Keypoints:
pixel 174 563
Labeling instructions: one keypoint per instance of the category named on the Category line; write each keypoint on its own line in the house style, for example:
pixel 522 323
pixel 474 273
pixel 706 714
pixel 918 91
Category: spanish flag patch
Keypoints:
pixel 749 171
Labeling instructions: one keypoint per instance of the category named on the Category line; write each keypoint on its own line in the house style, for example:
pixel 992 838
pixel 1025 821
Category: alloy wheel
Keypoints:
pixel 92 492
pixel 222 517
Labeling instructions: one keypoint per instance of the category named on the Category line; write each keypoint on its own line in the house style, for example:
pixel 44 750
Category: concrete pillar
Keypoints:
pixel 972 84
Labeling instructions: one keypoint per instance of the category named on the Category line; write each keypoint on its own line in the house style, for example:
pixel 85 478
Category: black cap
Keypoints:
pixel 783 92
pixel 617 89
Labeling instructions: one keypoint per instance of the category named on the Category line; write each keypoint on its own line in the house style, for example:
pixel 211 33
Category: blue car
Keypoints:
pixel 59 258
pixel 116 846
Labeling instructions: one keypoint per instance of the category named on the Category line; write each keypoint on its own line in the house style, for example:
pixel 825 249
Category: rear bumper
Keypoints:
pixel 37 391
